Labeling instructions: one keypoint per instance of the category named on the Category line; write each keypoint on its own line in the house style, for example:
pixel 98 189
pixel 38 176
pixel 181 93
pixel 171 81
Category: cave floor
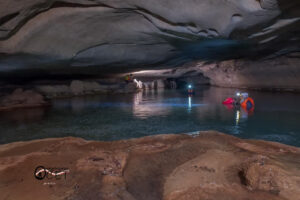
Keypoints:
pixel 206 166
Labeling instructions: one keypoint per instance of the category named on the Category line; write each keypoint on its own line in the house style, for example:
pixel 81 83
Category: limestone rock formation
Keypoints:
pixel 78 88
pixel 208 165
pixel 280 73
pixel 276 74
pixel 50 37
pixel 22 99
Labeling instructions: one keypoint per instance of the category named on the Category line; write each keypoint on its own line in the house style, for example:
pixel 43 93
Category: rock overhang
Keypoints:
pixel 119 36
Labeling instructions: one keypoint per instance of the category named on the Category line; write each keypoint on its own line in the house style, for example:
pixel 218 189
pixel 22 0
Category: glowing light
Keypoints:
pixel 238 94
pixel 190 86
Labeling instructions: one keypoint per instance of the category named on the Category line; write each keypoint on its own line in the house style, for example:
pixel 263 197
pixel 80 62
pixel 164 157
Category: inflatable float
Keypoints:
pixel 248 104
pixel 243 100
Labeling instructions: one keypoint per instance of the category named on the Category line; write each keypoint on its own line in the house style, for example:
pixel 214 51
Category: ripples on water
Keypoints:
pixel 113 117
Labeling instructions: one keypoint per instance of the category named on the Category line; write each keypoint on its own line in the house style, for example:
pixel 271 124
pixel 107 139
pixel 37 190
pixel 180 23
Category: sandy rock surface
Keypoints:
pixel 208 166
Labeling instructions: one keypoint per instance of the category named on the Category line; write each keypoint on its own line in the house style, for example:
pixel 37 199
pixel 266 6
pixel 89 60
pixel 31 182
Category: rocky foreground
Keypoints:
pixel 207 166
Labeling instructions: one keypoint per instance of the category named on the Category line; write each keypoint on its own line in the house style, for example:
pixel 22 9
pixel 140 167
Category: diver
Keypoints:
pixel 242 99
pixel 129 78
pixel 190 90
pixel 245 101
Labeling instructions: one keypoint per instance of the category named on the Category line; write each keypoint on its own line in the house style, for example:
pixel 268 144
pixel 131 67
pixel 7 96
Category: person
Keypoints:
pixel 245 101
pixel 129 78
pixel 241 99
pixel 190 90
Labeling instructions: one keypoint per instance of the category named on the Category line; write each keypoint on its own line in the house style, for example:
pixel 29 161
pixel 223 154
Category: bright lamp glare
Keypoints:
pixel 238 94
pixel 190 86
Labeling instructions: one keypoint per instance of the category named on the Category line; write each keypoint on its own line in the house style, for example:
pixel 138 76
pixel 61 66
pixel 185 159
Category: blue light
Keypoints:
pixel 190 86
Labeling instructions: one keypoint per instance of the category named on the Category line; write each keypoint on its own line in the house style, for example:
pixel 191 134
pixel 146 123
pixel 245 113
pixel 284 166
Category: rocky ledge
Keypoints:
pixel 208 165
pixel 20 98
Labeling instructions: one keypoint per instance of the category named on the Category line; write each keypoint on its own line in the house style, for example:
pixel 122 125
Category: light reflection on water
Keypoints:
pixel 112 117
pixel 159 106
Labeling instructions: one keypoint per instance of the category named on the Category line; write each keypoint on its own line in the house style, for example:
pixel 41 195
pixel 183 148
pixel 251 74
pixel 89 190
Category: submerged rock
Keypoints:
pixel 207 166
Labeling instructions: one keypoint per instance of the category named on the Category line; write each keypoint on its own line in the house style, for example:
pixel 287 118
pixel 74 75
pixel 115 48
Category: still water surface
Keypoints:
pixel 112 117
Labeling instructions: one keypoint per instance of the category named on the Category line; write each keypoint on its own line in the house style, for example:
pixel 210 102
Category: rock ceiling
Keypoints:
pixel 98 36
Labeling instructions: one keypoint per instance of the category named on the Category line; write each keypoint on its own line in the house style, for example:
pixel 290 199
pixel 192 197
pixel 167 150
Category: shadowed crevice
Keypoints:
pixel 7 18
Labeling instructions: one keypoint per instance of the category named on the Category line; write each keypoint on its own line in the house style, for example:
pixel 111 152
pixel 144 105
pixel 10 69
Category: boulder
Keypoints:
pixel 20 98
pixel 52 91
pixel 93 87
pixel 77 87
pixel 128 88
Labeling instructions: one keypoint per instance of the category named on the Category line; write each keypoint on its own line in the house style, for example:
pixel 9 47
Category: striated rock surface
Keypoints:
pixel 50 37
pixel 277 73
pixel 281 73
pixel 207 166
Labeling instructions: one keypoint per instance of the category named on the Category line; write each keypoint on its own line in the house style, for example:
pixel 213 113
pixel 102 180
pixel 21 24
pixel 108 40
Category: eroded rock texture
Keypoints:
pixel 170 167
pixel 42 37
pixel 280 73
pixel 276 74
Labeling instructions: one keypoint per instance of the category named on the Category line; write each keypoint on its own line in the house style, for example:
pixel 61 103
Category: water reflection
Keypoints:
pixel 151 106
pixel 242 115
pixel 78 104
pixel 237 118
pixel 190 104
pixel 27 115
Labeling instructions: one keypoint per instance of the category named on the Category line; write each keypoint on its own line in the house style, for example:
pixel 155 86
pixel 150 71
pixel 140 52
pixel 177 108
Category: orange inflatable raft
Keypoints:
pixel 248 104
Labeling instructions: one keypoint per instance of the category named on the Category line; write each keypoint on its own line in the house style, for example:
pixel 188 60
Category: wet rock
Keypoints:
pixel 131 87
pixel 79 88
pixel 21 99
pixel 206 166
pixel 87 87
pixel 53 91
pixel 272 178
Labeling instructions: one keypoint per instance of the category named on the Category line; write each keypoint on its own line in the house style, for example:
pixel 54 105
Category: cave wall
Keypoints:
pixel 275 74
pixel 102 36
pixel 246 40
pixel 280 73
